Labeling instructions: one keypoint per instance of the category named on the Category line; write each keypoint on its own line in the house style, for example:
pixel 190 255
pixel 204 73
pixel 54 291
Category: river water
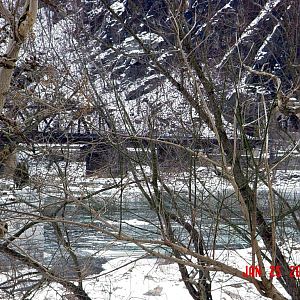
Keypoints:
pixel 137 220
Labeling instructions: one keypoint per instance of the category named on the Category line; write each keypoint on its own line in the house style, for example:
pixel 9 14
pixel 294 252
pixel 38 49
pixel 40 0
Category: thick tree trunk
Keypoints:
pixel 19 31
pixel 290 284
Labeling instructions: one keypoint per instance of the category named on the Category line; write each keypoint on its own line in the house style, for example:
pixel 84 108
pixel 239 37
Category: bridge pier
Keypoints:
pixel 173 157
pixel 8 161
pixel 103 160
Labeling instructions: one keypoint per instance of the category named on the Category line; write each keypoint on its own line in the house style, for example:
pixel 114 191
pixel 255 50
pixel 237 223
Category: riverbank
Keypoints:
pixel 129 277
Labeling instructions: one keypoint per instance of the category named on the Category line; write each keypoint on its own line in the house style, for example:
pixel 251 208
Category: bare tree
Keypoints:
pixel 177 144
pixel 18 23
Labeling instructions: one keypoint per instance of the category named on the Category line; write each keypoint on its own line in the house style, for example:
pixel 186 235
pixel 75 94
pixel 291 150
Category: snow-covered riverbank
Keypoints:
pixel 155 279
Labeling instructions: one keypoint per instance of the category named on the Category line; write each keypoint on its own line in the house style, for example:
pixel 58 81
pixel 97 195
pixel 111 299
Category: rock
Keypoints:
pixel 65 267
pixel 155 292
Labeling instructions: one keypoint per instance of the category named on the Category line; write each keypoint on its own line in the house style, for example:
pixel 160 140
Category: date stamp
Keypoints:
pixel 275 271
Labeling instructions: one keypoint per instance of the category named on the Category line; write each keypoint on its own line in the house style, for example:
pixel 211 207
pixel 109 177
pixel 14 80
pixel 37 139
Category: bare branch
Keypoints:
pixel 5 13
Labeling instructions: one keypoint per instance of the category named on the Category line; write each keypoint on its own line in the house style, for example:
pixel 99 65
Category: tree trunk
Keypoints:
pixel 19 30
